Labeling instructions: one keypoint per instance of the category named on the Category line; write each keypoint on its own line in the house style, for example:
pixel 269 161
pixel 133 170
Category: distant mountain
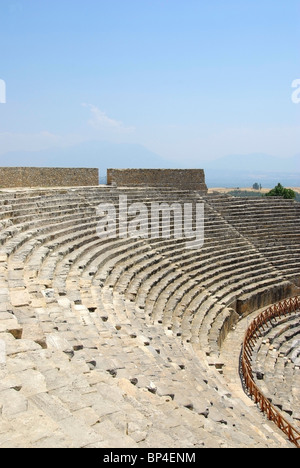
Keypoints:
pixel 245 170
pixel 228 171
pixel 234 179
pixel 99 154
pixel 255 162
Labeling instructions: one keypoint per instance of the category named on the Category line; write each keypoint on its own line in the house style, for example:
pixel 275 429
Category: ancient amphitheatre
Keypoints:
pixel 137 343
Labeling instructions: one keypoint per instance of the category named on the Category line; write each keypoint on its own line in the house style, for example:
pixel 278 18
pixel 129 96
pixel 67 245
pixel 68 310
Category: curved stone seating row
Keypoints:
pixel 143 270
pixel 277 367
pixel 272 225
pixel 114 255
pixel 102 338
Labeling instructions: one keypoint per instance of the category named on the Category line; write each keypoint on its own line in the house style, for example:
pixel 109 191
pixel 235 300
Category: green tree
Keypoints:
pixel 280 191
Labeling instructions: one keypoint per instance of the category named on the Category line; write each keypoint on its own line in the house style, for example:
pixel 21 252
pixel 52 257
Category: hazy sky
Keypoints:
pixel 184 78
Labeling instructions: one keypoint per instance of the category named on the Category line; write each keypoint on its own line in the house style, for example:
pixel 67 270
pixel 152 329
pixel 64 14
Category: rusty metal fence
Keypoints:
pixel 254 331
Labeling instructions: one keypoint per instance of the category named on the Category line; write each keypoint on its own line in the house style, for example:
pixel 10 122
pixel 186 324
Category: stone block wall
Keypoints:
pixel 184 179
pixel 11 177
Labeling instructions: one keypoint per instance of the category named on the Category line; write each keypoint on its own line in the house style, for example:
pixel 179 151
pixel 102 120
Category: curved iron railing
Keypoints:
pixel 278 310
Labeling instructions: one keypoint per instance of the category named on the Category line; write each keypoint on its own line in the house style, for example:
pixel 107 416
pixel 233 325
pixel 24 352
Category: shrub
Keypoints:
pixel 280 191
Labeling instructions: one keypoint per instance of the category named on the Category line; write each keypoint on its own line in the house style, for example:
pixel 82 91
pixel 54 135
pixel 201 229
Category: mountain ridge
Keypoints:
pixel 229 170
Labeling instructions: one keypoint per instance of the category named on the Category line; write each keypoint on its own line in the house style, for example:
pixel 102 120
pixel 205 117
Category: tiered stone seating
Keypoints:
pixel 103 343
pixel 276 365
pixel 272 225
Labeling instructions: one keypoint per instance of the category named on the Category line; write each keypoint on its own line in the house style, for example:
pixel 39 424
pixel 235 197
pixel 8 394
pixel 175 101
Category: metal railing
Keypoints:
pixel 254 331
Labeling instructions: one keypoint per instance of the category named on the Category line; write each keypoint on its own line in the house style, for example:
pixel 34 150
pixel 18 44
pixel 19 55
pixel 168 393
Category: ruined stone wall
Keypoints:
pixel 184 179
pixel 47 177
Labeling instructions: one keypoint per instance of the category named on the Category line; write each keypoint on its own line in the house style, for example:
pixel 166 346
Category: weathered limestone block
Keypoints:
pixel 9 323
pixel 19 297
pixel 57 342
pixel 12 403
